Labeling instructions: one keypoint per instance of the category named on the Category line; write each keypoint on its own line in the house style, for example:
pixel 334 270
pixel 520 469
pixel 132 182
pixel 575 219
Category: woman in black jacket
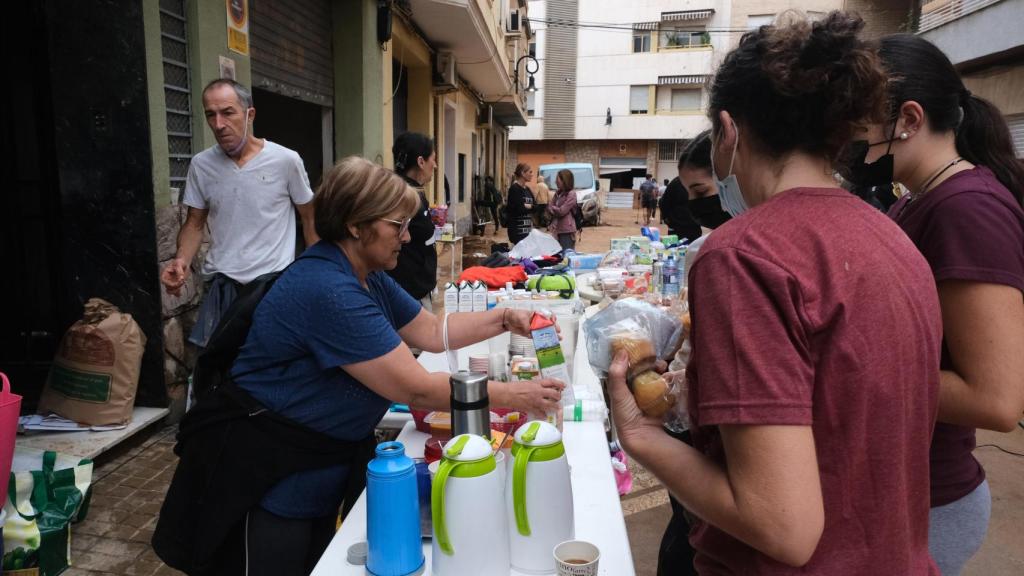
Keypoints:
pixel 416 273
pixel 520 205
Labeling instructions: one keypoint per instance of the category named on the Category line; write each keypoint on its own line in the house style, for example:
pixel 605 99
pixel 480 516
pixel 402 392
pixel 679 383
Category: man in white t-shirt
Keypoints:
pixel 243 188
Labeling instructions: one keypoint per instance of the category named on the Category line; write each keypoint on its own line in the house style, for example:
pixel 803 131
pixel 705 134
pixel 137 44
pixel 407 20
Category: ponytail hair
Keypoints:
pixel 922 73
pixel 521 168
pixel 408 148
pixel 984 139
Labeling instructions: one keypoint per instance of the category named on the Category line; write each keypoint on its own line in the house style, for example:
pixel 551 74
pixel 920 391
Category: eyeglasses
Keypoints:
pixel 403 225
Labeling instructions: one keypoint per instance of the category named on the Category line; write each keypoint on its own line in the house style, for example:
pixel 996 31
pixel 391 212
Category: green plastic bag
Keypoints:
pixel 41 505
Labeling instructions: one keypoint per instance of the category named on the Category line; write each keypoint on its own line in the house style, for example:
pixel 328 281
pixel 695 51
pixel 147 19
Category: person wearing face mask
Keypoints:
pixel 953 152
pixel 416 272
pixel 327 354
pixel 243 188
pixel 810 439
pixel 675 555
pixel 675 210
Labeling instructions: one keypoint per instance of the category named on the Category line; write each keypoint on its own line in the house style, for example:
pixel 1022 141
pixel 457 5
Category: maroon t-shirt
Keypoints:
pixel 969 227
pixel 815 310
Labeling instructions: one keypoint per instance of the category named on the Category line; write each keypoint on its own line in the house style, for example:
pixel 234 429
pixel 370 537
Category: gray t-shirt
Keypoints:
pixel 252 223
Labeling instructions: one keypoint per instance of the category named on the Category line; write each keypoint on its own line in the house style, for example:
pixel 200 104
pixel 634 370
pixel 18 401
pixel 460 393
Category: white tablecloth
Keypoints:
pixel 598 513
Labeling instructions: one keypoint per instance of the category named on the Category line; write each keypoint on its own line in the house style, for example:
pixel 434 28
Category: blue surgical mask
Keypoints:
pixel 729 189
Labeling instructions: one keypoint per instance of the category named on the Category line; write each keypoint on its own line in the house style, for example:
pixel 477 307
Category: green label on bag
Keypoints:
pixel 78 385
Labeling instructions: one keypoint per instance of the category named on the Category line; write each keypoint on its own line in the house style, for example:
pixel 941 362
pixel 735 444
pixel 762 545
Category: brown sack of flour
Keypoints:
pixel 95 372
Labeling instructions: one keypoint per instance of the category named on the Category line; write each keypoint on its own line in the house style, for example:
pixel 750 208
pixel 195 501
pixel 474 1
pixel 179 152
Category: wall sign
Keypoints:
pixel 238 26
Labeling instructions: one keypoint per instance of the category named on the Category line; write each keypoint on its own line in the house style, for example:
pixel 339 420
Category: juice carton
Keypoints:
pixel 551 359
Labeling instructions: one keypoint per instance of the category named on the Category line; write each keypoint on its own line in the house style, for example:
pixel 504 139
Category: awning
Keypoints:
pixel 618 165
pixel 645 26
pixel 686 15
pixel 691 79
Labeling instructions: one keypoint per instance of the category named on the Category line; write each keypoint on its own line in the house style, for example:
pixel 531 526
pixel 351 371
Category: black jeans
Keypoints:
pixel 675 556
pixel 278 546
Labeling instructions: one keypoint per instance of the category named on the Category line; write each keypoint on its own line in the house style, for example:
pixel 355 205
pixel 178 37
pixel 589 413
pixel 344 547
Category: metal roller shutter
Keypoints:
pixel 560 72
pixel 1016 123
pixel 291 49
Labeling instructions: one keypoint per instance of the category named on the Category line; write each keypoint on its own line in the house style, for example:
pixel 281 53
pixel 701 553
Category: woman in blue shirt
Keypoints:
pixel 329 350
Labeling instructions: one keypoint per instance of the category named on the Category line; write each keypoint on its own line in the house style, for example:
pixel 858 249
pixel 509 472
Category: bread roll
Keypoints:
pixel 639 350
pixel 652 394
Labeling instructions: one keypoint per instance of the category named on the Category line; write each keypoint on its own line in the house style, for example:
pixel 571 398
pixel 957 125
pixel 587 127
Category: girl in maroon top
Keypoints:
pixel 953 151
pixel 814 374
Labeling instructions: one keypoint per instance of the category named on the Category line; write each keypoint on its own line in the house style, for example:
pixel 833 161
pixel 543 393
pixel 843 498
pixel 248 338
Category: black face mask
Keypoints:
pixel 864 175
pixel 707 211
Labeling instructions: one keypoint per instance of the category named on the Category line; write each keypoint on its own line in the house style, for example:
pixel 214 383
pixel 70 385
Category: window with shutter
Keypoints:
pixel 638 99
pixel 685 100
pixel 177 91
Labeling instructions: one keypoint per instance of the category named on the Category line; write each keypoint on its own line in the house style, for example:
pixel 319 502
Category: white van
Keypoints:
pixel 584 182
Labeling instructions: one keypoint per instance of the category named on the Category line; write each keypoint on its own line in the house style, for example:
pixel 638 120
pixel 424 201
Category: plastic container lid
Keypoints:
pixel 357 554
pixel 538 433
pixel 467 448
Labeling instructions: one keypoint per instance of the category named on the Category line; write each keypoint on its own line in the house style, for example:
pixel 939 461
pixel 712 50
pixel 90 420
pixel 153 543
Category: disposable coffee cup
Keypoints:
pixel 576 558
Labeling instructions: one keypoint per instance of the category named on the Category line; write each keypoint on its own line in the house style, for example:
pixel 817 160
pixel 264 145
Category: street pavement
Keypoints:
pixel 129 484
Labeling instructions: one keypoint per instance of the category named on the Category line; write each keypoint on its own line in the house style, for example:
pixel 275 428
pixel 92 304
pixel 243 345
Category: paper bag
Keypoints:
pixel 95 372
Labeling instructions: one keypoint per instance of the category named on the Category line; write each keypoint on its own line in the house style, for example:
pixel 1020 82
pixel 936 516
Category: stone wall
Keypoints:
pixel 584 151
pixel 652 157
pixel 178 312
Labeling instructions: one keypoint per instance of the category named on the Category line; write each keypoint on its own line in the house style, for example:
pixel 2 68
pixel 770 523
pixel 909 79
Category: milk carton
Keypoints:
pixel 480 296
pixel 451 297
pixel 465 297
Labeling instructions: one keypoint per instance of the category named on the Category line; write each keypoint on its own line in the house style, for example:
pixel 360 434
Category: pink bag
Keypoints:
pixel 10 408
pixel 620 468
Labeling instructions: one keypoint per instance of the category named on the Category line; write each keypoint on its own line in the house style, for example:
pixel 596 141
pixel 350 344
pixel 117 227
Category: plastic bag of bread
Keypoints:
pixel 659 327
pixel 646 333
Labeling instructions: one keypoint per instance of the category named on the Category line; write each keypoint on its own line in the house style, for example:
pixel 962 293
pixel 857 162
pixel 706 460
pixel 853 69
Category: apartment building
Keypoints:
pixel 623 85
pixel 983 39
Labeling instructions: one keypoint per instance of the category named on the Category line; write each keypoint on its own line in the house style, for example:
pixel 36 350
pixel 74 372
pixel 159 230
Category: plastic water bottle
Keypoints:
pixel 393 534
pixel 670 276
pixel 681 263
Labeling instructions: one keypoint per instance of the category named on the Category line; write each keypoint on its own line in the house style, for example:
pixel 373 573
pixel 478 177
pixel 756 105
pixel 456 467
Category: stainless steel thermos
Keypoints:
pixel 470 406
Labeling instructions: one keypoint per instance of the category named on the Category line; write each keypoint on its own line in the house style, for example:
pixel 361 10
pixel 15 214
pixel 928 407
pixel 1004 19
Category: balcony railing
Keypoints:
pixel 939 12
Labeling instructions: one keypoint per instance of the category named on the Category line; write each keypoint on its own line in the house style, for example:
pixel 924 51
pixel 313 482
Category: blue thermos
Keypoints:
pixel 394 545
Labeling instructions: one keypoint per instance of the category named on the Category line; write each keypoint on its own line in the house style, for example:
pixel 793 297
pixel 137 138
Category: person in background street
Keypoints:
pixel 675 555
pixel 244 189
pixel 493 199
pixel 327 354
pixel 520 204
pixel 649 198
pixel 541 195
pixel 954 153
pixel 661 194
pixel 416 272
pixel 675 210
pixel 563 223
pixel 813 380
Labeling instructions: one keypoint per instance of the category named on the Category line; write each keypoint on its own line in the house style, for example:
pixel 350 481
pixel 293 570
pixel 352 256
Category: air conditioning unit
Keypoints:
pixel 512 24
pixel 485 119
pixel 446 76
